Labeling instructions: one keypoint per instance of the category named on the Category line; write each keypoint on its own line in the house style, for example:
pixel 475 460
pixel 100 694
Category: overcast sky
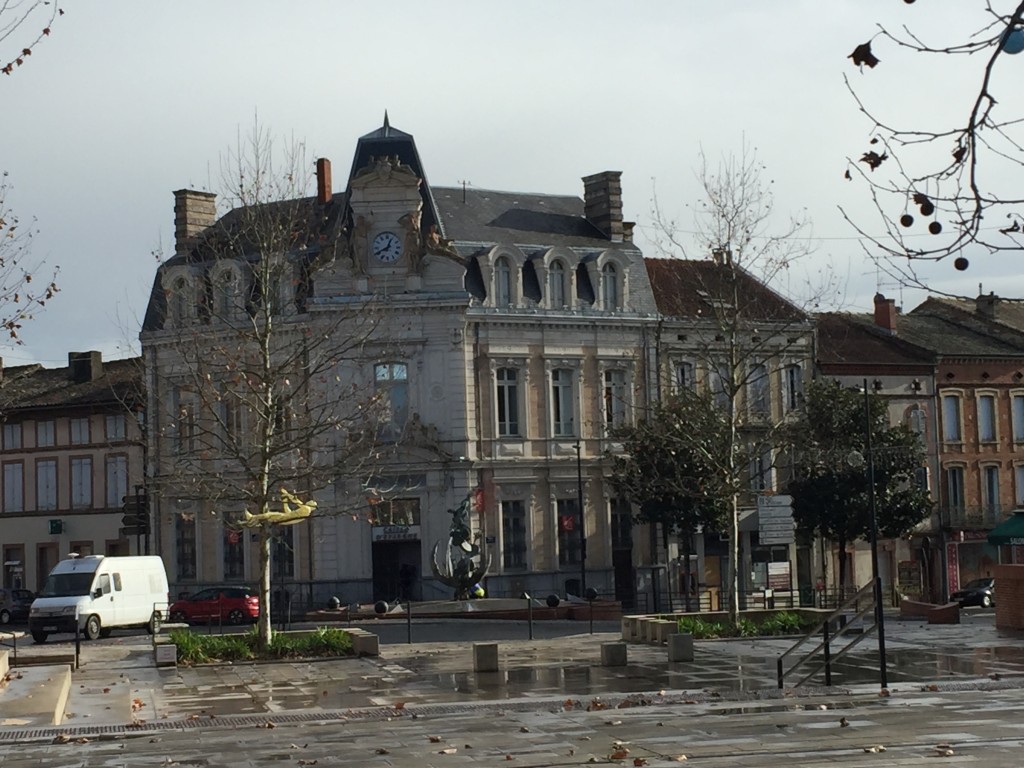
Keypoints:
pixel 128 100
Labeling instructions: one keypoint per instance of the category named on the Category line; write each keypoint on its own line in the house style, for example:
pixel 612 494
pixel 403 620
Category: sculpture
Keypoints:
pixel 293 510
pixel 459 570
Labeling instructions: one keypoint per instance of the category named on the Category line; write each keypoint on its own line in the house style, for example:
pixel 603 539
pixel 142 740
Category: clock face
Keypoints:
pixel 387 247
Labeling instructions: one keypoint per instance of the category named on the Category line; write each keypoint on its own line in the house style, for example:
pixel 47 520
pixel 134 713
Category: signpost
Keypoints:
pixel 775 519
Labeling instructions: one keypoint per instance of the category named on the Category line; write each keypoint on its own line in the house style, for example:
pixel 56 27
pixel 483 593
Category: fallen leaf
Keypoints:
pixel 618 754
pixel 843 722
pixel 447 751
pixel 269 724
pixel 639 761
pixel 524 729
pixel 307 762
pixel 398 705
pixel 382 751
pixel 434 739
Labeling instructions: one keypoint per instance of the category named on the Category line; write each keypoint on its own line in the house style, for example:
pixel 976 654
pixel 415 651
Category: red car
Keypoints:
pixel 225 605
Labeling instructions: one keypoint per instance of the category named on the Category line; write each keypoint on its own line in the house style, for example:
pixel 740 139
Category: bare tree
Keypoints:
pixel 22 289
pixel 262 396
pixel 944 186
pixel 730 334
pixel 23 25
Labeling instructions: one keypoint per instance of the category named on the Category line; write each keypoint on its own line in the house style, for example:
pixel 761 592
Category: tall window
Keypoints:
pixel 916 420
pixel 232 418
pixel 502 282
pixel 226 287
pixel 987 419
pixel 562 402
pixel 1018 485
pixel 568 531
pixel 622 525
pixel 794 380
pixel 180 309
pixel 392 385
pixel 185 546
pixel 46 484
pixel 1018 418
pixel 508 402
pixel 761 472
pixel 616 398
pixel 234 551
pixel 45 434
pixel 955 489
pixel 81 482
pixel 757 390
pixel 12 436
pixel 513 535
pixel 683 376
pixel 718 378
pixel 14 487
pixel 79 431
pixel 610 288
pixel 117 479
pixel 951 418
pixel 990 489
pixel 115 426
pixel 556 284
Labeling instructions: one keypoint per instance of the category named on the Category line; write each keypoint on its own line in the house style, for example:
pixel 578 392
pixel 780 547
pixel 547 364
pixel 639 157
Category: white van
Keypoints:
pixel 104 592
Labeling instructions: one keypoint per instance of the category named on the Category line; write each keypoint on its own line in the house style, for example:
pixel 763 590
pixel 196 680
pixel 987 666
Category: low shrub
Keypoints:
pixel 195 648
pixel 781 623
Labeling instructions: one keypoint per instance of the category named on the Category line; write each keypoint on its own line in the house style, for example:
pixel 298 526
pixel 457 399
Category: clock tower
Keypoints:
pixel 386 237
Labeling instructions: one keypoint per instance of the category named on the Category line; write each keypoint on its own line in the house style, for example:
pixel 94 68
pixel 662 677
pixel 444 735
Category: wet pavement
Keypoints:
pixel 960 684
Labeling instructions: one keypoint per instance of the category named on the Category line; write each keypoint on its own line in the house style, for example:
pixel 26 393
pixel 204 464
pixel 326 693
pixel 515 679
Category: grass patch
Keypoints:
pixel 195 648
pixel 780 623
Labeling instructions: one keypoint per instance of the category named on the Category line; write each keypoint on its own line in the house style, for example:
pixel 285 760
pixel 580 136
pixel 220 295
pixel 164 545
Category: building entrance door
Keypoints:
pixel 46 558
pixel 396 571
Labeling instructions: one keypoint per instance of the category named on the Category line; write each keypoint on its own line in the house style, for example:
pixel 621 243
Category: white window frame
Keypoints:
pixel 616 390
pixel 611 296
pixel 389 378
pixel 14 486
pixel 990 489
pixel 115 426
pixel 952 416
pixel 12 436
pixel 1017 415
pixel 507 410
pixel 81 482
pixel 1018 484
pixel 513 556
pixel 116 472
pixel 683 375
pixel 46 484
pixel 46 434
pixel 987 418
pixel 503 271
pixel 955 492
pixel 78 431
pixel 557 284
pixel 759 392
pixel 563 402
pixel 794 381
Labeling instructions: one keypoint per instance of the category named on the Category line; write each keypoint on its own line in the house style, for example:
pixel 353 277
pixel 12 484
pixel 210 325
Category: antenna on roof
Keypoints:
pixel 464 185
pixel 387 125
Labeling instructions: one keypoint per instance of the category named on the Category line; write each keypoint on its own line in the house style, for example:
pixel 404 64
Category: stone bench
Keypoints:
pixel 631 628
pixel 485 657
pixel 613 654
pixel 932 613
pixel 364 643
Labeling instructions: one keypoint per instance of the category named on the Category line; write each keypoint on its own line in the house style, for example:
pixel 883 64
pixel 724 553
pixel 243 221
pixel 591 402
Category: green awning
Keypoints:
pixel 1010 531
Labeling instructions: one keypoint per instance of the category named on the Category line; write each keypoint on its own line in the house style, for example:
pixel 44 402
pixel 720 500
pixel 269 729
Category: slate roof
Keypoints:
pixel 954 332
pixel 32 387
pixel 846 338
pixel 687 288
pixel 518 218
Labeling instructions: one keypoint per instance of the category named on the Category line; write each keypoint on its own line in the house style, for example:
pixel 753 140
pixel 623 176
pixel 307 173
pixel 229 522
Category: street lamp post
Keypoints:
pixel 879 612
pixel 583 519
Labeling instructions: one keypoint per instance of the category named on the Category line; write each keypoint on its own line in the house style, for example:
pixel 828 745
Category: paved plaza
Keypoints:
pixel 551 704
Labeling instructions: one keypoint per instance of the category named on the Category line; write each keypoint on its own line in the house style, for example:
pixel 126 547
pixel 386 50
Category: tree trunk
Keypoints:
pixel 841 580
pixel 668 566
pixel 734 560
pixel 263 626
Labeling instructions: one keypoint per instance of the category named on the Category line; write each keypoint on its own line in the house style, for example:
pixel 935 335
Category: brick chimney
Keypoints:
pixel 85 366
pixel 193 212
pixel 885 313
pixel 323 181
pixel 602 203
pixel 987 306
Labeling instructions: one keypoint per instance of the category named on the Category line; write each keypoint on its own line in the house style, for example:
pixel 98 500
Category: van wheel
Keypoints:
pixel 236 617
pixel 154 623
pixel 105 631
pixel 5 616
pixel 93 628
pixel 39 637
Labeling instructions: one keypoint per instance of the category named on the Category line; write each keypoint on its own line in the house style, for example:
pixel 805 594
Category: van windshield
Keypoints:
pixel 67 585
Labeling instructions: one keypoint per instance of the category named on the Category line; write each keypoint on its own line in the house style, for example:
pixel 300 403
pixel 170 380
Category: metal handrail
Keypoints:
pixel 825 644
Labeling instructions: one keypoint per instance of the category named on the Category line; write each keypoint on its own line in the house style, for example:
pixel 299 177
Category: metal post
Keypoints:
pixel 138 519
pixel 583 518
pixel 141 514
pixel 828 654
pixel 408 620
pixel 78 640
pixel 879 610
pixel 529 614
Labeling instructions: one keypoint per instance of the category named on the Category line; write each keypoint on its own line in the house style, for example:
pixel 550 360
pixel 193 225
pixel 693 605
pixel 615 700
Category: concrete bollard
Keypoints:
pixel 613 654
pixel 485 657
pixel 680 647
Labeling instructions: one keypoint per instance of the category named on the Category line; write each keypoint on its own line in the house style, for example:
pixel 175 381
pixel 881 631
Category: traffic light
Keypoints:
pixel 136 514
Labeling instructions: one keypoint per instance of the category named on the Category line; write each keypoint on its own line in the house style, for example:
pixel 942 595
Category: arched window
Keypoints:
pixel 180 302
pixel 610 288
pixel 502 283
pixel 556 284
pixel 226 288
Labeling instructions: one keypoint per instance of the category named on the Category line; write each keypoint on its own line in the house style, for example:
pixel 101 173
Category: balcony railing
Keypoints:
pixel 979 518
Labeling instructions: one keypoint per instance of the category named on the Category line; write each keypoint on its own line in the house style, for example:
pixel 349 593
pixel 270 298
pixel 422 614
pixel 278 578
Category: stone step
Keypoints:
pixel 35 696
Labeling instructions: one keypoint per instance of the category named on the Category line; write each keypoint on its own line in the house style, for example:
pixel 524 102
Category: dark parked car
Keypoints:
pixel 978 592
pixel 15 604
pixel 227 605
